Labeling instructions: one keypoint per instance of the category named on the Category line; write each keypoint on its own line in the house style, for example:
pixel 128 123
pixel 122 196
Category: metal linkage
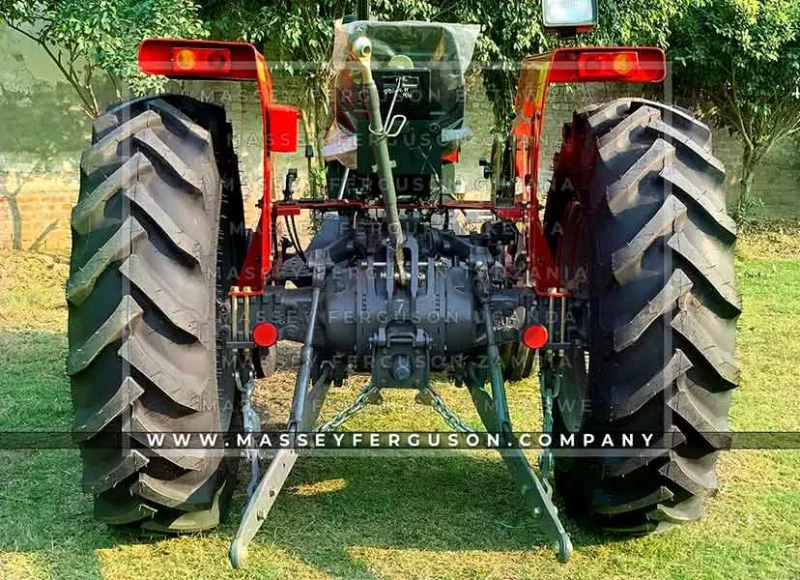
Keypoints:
pixel 428 396
pixel 362 49
pixel 265 494
pixel 550 375
pixel 550 385
pixel 305 410
pixel 493 410
pixel 251 420
pixel 368 395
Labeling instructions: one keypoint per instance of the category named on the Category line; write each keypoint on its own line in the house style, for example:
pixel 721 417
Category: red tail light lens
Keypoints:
pixel 627 65
pixel 201 61
pixel 208 59
pixel 535 336
pixel 265 334
pixel 607 65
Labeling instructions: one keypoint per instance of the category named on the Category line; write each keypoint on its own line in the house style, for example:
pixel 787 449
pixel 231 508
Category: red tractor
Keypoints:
pixel 620 286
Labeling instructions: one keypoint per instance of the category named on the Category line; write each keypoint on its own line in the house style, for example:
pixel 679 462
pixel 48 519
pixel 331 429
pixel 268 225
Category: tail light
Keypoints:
pixel 609 65
pixel 535 336
pixel 201 61
pixel 628 65
pixel 265 334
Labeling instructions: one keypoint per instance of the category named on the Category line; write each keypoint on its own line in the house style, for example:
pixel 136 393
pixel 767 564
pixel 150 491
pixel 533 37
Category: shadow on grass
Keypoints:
pixel 453 502
pixel 449 502
pixel 43 511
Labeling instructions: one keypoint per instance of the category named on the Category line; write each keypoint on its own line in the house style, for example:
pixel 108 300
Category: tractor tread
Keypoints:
pixel 644 457
pixel 140 195
pixel 105 152
pixel 165 294
pixel 612 111
pixel 188 127
pixel 723 284
pixel 619 193
pixel 112 329
pixel 687 511
pixel 688 326
pixel 700 408
pixel 91 419
pixel 148 239
pixel 663 330
pixel 150 355
pixel 142 426
pixel 614 504
pixel 676 288
pixel 111 469
pixel 681 183
pixel 610 143
pixel 190 491
pixel 679 139
pixel 626 261
pixel 119 246
pixel 677 117
pixel 88 212
pixel 694 475
pixel 625 406
pixel 166 155
pixel 117 511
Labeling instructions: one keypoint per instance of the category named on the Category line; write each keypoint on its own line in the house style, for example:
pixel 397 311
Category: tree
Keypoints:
pixel 87 39
pixel 514 30
pixel 40 122
pixel 300 33
pixel 738 61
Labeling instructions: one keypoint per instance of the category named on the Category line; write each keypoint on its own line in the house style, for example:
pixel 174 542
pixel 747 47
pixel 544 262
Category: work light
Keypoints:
pixel 569 13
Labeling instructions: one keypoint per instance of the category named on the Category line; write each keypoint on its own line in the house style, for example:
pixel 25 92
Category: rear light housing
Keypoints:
pixel 613 64
pixel 199 59
pixel 282 123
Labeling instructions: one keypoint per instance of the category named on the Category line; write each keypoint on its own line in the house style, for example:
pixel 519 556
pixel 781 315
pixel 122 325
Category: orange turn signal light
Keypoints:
pixel 535 336
pixel 201 61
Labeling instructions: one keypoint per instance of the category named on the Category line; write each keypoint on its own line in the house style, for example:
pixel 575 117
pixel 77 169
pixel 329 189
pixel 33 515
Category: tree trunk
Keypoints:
pixel 16 221
pixel 750 158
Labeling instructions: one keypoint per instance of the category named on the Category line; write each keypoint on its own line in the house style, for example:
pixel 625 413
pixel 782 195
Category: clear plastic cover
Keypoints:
pixel 428 44
pixel 444 49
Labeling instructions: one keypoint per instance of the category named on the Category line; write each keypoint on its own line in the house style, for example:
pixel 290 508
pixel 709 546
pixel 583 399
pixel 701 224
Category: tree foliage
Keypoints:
pixel 300 33
pixel 738 61
pixel 90 39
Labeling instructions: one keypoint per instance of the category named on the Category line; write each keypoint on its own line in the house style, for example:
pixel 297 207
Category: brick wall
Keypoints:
pixel 45 201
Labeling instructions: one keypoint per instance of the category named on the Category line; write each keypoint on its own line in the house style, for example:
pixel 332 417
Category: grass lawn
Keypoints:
pixel 453 516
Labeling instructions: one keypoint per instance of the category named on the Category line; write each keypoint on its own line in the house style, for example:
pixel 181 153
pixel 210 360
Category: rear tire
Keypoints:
pixel 157 240
pixel 661 309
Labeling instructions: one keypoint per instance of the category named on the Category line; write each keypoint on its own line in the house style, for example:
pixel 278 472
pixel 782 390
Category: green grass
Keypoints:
pixel 448 516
